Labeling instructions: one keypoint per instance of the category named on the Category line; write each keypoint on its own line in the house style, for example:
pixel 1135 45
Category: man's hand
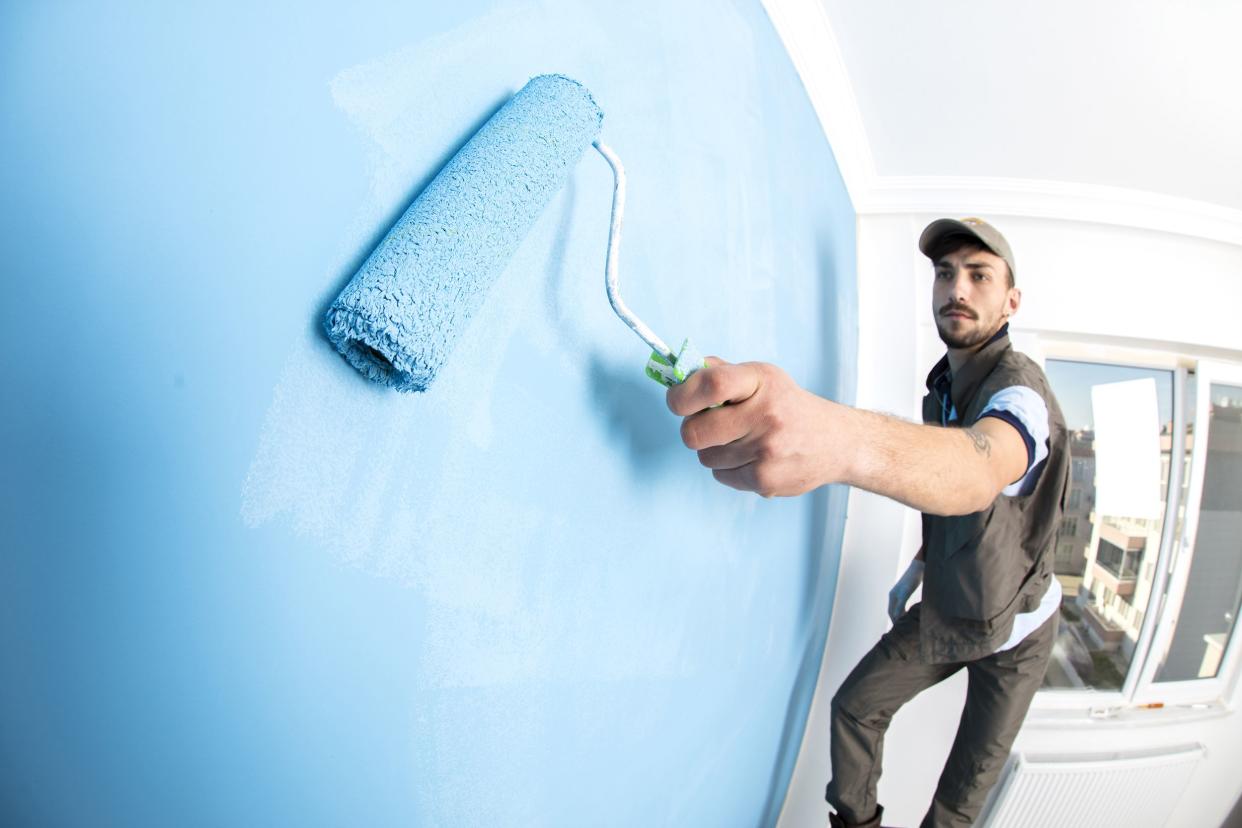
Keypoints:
pixel 758 431
pixel 900 594
pixel 768 436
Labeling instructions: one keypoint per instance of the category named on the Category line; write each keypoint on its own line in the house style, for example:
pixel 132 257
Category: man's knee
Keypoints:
pixel 851 710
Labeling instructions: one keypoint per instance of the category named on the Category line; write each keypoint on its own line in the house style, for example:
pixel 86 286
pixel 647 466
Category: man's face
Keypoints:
pixel 971 297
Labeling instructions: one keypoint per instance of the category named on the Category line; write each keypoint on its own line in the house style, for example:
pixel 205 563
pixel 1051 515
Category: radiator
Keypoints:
pixel 1102 790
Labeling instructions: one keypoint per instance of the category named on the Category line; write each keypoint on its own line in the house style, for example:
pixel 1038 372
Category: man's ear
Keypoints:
pixel 1015 301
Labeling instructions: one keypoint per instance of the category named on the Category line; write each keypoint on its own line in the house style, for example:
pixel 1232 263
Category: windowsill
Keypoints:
pixel 1051 718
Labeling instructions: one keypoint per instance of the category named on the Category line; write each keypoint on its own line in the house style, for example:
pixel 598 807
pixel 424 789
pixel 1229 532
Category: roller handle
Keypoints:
pixel 676 371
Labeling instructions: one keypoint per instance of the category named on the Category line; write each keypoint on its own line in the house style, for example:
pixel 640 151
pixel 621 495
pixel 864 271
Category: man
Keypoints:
pixel 989 470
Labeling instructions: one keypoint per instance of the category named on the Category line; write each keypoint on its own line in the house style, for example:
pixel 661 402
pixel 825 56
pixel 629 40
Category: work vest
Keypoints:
pixel 984 568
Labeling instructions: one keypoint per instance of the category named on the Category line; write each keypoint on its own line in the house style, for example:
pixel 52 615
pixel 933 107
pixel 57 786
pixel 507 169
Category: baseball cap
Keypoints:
pixel 974 228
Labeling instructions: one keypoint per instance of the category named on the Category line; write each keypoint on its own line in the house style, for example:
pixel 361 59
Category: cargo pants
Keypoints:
pixel 1000 689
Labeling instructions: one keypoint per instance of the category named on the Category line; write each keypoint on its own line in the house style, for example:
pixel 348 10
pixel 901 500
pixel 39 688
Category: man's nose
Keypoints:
pixel 959 290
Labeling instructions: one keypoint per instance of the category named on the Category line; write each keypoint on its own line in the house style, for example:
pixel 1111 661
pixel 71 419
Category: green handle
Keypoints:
pixel 670 373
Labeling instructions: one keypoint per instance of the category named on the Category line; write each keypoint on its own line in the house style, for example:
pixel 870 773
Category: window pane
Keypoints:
pixel 1105 562
pixel 1214 588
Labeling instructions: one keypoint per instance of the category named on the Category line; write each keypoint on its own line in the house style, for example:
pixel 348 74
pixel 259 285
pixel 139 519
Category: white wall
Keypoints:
pixel 1143 285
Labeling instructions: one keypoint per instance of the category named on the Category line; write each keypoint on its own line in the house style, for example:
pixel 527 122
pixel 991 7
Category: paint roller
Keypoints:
pixel 399 317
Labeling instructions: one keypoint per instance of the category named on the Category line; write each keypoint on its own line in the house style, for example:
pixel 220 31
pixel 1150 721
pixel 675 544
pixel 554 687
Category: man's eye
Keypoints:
pixel 980 277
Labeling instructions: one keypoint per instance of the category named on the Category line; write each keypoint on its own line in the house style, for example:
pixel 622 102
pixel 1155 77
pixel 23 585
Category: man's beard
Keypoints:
pixel 965 339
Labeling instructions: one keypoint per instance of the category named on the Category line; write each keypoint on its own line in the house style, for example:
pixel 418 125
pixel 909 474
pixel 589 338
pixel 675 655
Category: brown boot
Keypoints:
pixel 837 821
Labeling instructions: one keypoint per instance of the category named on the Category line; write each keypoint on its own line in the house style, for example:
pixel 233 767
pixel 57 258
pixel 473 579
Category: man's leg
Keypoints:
pixel 887 677
pixel 999 693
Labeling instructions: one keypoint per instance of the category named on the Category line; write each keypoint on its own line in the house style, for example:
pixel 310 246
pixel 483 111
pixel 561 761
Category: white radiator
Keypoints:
pixel 1112 790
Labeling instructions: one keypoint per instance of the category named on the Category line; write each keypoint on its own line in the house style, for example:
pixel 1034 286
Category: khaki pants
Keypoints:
pixel 1000 690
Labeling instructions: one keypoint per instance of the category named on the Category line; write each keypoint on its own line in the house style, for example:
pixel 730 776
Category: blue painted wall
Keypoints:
pixel 240 585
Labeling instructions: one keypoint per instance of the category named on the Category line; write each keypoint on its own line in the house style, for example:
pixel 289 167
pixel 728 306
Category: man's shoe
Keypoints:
pixel 837 821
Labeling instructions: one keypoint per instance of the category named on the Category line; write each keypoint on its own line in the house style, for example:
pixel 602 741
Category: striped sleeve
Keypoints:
pixel 1026 411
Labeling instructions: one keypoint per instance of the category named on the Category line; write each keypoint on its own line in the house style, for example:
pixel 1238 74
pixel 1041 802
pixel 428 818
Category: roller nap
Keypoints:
pixel 400 316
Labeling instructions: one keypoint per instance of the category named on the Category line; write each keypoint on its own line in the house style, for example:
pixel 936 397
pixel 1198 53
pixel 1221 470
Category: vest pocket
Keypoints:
pixel 983 566
pixel 962 532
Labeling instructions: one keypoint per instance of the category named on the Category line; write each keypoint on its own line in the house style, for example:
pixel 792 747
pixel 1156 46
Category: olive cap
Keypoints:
pixel 974 228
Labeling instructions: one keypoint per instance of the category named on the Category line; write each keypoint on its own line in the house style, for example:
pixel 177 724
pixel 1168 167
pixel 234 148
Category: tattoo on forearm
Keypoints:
pixel 982 444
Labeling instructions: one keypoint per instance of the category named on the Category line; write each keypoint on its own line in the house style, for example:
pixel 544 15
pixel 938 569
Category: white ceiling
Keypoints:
pixel 1141 95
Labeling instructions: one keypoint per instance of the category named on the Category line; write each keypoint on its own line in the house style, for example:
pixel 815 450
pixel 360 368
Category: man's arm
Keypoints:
pixel 941 471
pixel 776 438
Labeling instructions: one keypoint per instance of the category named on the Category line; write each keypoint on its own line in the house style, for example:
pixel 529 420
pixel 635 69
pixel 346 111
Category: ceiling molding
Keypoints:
pixel 1066 201
pixel 809 39
pixel 807 33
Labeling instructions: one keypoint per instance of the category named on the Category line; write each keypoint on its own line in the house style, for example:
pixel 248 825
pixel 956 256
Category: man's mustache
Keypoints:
pixel 951 308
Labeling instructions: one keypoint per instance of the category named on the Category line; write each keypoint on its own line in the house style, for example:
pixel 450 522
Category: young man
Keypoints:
pixel 989 470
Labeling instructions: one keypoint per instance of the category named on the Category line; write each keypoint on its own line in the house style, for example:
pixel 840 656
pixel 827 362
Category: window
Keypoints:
pixel 1119 419
pixel 1211 586
pixel 1149 550
pixel 1080 469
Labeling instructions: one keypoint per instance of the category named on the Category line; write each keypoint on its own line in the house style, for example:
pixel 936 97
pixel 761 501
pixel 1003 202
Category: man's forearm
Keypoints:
pixel 942 471
pixel 778 439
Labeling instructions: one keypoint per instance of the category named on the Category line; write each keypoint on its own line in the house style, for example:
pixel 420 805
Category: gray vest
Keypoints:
pixel 984 568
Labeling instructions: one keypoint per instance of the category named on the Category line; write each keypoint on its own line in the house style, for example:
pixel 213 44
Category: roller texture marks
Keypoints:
pixel 401 314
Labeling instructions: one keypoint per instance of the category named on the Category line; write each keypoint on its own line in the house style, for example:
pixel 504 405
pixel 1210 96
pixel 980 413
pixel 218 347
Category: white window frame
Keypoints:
pixel 1217 688
pixel 1174 555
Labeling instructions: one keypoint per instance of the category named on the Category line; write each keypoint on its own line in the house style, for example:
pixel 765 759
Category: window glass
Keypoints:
pixel 1105 559
pixel 1214 587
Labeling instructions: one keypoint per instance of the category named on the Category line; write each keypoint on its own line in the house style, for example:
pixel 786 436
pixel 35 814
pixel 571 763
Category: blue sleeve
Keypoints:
pixel 1027 412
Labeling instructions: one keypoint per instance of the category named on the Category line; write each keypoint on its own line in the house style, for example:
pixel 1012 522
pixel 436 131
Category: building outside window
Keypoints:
pixel 1100 556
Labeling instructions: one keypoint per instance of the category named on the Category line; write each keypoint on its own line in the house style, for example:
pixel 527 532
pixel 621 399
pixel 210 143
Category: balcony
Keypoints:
pixel 1121 582
pixel 1107 634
